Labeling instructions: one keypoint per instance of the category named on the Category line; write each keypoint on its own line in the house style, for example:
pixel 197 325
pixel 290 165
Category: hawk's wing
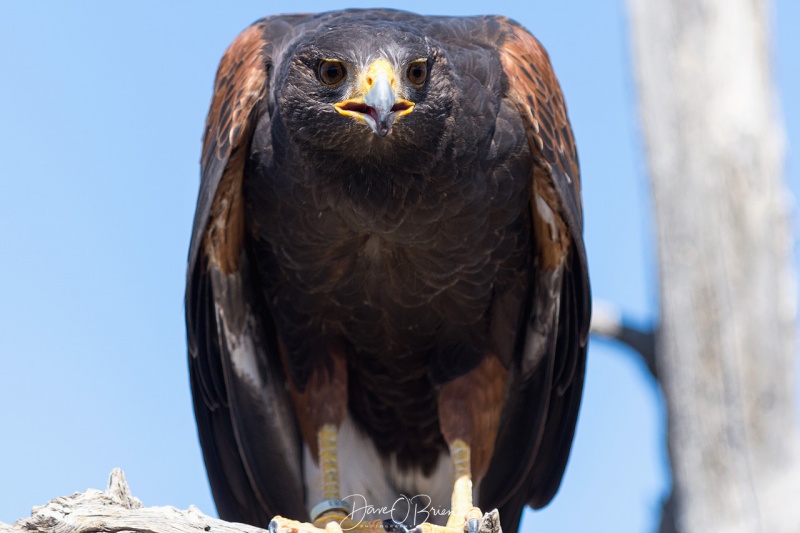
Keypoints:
pixel 244 417
pixel 540 415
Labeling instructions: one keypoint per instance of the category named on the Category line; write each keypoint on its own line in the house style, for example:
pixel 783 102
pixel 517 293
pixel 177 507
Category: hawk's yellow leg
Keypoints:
pixel 333 513
pixel 463 515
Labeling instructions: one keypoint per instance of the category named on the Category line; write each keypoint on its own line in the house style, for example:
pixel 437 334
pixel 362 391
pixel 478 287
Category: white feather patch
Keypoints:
pixel 243 353
pixel 377 488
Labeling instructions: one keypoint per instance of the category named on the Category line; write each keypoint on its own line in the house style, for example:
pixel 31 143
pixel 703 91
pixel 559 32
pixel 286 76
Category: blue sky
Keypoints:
pixel 101 111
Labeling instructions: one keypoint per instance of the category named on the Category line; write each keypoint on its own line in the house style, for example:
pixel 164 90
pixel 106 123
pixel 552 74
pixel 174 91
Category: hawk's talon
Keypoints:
pixel 280 524
pixel 333 527
pixel 322 520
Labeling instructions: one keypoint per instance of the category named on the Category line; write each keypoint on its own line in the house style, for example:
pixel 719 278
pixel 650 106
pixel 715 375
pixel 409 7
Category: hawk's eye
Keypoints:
pixel 331 72
pixel 417 72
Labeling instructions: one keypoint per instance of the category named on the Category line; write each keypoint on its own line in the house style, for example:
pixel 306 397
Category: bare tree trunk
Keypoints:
pixel 725 348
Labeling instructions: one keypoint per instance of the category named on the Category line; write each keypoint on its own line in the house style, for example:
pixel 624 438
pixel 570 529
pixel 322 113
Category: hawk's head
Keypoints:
pixel 366 87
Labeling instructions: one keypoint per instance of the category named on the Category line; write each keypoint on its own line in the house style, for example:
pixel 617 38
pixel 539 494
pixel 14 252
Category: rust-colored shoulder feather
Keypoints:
pixel 556 202
pixel 534 90
pixel 239 88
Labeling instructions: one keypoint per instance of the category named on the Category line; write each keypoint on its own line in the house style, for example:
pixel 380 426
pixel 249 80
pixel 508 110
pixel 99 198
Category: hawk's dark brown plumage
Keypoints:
pixel 391 279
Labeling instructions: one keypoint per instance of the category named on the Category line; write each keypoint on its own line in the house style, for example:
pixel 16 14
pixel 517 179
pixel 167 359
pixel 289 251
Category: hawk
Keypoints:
pixel 387 292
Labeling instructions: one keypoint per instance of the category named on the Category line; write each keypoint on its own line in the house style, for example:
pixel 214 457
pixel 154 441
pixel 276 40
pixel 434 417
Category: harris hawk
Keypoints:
pixel 387 291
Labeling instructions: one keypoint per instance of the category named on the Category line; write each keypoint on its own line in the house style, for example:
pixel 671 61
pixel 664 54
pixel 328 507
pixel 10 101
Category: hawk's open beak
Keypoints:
pixel 377 102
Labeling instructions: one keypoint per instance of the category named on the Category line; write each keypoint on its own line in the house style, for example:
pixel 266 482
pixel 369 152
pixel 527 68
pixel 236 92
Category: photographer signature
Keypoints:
pixel 419 506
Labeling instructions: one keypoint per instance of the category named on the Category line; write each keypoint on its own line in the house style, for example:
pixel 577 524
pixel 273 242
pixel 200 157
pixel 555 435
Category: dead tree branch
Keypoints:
pixel 116 510
pixel 609 323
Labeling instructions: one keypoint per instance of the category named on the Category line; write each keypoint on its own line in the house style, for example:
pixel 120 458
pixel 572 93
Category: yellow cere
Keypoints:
pixel 378 68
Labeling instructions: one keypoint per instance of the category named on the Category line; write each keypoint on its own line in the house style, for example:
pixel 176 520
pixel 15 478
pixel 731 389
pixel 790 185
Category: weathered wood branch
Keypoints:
pixel 116 510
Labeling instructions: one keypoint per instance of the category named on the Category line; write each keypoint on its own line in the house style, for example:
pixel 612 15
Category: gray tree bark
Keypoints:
pixel 117 510
pixel 725 348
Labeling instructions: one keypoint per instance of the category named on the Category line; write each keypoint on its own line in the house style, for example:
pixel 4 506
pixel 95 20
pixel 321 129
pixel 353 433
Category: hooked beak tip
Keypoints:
pixel 380 95
pixel 380 107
